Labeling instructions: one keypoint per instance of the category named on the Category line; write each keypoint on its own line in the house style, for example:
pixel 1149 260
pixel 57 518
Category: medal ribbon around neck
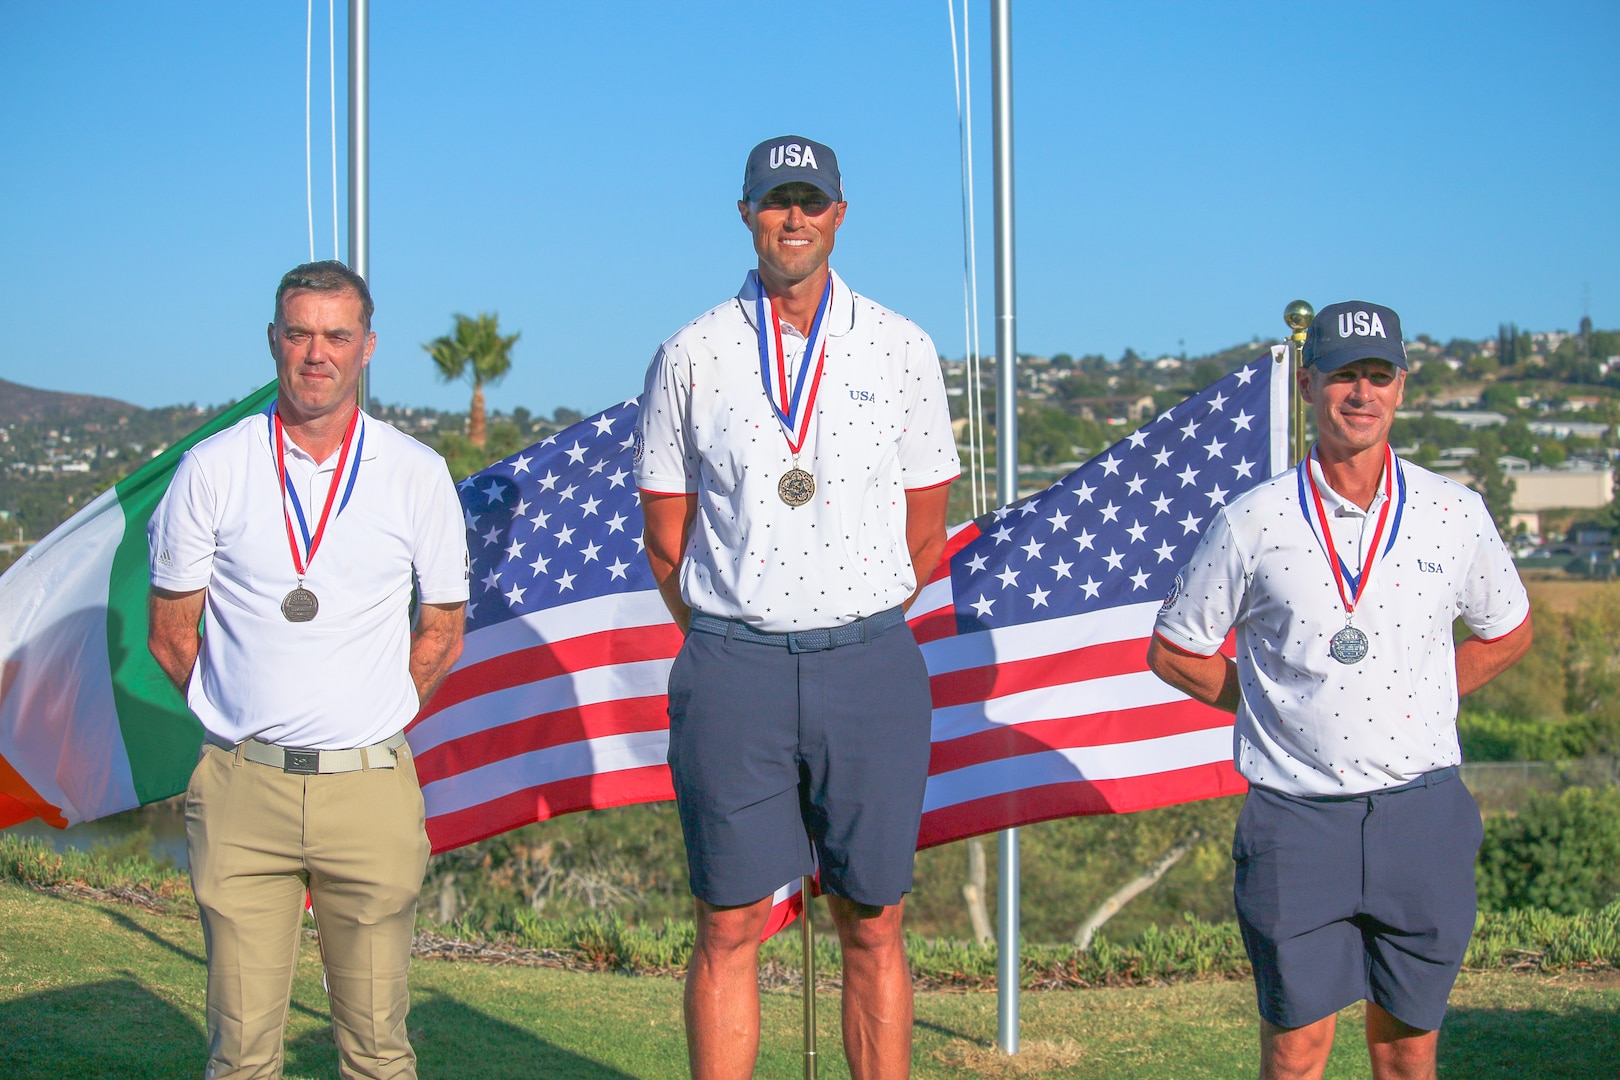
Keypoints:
pixel 303 559
pixel 792 406
pixel 1319 525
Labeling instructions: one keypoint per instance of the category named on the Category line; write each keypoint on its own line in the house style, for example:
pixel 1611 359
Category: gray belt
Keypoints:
pixel 802 641
pixel 309 762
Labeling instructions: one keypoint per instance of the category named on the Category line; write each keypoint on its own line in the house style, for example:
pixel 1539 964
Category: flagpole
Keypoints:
pixel 807 936
pixel 360 154
pixel 1298 316
pixel 1007 937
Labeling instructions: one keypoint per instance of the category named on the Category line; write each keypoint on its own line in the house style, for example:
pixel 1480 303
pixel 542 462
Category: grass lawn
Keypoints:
pixel 103 990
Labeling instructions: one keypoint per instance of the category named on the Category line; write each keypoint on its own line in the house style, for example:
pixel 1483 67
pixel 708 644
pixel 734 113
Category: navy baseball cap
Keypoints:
pixel 787 159
pixel 1354 330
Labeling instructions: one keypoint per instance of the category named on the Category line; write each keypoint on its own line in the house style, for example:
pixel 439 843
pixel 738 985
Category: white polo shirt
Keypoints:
pixel 880 427
pixel 1308 724
pixel 343 679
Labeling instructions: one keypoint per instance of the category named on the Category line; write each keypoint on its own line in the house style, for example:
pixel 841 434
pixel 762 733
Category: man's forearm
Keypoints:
pixel 436 646
pixel 669 587
pixel 176 658
pixel 172 635
pixel 1479 661
pixel 924 559
pixel 1212 680
pixel 925 531
pixel 668 520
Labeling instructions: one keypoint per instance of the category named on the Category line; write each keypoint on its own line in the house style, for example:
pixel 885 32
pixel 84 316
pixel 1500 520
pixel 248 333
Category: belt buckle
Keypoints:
pixel 302 762
pixel 806 641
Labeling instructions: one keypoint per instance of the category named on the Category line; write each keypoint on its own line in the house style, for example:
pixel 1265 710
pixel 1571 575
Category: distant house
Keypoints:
pixel 1472 419
pixel 1563 429
pixel 1578 485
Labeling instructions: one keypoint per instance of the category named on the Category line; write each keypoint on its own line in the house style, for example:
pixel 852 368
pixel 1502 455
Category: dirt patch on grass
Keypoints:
pixel 1034 1058
pixel 1566 596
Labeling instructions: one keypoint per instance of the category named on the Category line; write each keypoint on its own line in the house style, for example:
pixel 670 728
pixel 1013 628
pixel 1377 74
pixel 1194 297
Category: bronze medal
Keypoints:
pixel 299 605
pixel 796 487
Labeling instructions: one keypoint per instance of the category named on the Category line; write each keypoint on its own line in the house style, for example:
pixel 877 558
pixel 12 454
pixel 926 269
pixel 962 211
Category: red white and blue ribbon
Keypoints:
pixel 792 400
pixel 1316 516
pixel 303 555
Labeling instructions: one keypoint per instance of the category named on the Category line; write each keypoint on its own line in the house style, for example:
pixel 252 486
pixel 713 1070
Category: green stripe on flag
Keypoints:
pixel 161 736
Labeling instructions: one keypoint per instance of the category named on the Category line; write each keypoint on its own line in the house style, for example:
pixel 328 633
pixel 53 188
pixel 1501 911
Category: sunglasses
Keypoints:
pixel 813 201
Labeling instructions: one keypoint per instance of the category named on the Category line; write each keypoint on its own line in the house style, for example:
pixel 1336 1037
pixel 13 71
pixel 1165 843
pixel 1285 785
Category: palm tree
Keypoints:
pixel 478 353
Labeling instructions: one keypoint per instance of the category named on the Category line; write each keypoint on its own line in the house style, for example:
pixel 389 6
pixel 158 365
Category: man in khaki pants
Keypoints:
pixel 295 537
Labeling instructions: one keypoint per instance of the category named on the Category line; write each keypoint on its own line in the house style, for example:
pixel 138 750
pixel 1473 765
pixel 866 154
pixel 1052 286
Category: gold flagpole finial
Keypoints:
pixel 1298 316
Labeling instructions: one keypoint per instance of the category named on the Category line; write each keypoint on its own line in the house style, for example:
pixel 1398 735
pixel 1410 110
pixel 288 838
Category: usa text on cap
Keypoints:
pixel 788 159
pixel 1354 330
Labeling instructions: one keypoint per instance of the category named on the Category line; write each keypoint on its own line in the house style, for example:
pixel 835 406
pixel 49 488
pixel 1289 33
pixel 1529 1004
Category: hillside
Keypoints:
pixel 24 404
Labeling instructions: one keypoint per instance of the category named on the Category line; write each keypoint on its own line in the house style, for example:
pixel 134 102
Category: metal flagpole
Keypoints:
pixel 1298 316
pixel 360 153
pixel 1007 967
pixel 809 940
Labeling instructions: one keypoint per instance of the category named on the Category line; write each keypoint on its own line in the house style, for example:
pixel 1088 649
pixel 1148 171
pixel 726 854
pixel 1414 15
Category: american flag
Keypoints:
pixel 1036 625
pixel 1035 629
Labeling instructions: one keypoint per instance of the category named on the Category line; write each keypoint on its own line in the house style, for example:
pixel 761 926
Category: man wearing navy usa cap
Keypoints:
pixel 795 455
pixel 1355 847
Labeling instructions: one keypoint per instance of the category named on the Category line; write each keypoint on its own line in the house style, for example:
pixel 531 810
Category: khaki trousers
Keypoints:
pixel 257 837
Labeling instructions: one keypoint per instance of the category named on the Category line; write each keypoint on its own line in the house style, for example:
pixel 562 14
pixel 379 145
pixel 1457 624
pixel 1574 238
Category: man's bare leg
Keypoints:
pixel 1296 1053
pixel 722 991
pixel 1398 1050
pixel 877 990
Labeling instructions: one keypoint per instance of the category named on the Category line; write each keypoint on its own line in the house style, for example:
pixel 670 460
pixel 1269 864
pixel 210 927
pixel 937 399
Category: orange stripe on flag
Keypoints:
pixel 19 801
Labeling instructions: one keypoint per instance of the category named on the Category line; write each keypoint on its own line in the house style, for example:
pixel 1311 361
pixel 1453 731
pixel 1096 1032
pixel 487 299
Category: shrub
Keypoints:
pixel 1561 853
pixel 1492 736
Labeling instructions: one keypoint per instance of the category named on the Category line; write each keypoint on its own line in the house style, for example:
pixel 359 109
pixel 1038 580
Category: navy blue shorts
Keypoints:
pixel 773 752
pixel 1364 898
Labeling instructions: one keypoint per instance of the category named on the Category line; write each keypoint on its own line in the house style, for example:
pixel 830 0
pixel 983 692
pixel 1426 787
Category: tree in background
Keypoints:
pixel 1560 853
pixel 1492 484
pixel 475 351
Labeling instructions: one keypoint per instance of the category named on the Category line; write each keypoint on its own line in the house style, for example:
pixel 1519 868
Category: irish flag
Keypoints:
pixel 89 725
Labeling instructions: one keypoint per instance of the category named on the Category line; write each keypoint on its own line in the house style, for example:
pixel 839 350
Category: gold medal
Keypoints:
pixel 796 487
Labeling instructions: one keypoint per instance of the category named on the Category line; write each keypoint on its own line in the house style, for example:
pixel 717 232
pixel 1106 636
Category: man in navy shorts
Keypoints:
pixel 1355 848
pixel 794 458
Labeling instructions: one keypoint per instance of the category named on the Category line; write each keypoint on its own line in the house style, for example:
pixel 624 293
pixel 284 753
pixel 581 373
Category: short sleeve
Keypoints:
pixel 182 534
pixel 928 455
pixel 1208 595
pixel 439 546
pixel 666 462
pixel 1494 602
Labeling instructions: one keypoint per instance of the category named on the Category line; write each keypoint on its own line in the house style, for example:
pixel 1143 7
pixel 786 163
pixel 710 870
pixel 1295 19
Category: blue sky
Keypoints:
pixel 1183 170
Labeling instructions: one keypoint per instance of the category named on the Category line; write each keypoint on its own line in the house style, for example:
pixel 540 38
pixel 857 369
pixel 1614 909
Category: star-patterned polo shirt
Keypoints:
pixel 880 426
pixel 1309 724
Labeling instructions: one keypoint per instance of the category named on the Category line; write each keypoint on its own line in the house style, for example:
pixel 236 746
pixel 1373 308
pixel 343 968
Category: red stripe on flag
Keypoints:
pixel 934 625
pixel 782 915
pixel 1052 669
pixel 649 783
pixel 1062 733
pixel 604 648
pixel 1031 805
pixel 575 724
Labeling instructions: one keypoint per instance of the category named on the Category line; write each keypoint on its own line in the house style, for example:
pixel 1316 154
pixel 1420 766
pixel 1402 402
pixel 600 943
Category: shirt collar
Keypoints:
pixel 263 428
pixel 840 310
pixel 1338 504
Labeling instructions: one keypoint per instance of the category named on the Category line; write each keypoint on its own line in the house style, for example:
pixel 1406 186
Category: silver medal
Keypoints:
pixel 299 605
pixel 796 487
pixel 1349 646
